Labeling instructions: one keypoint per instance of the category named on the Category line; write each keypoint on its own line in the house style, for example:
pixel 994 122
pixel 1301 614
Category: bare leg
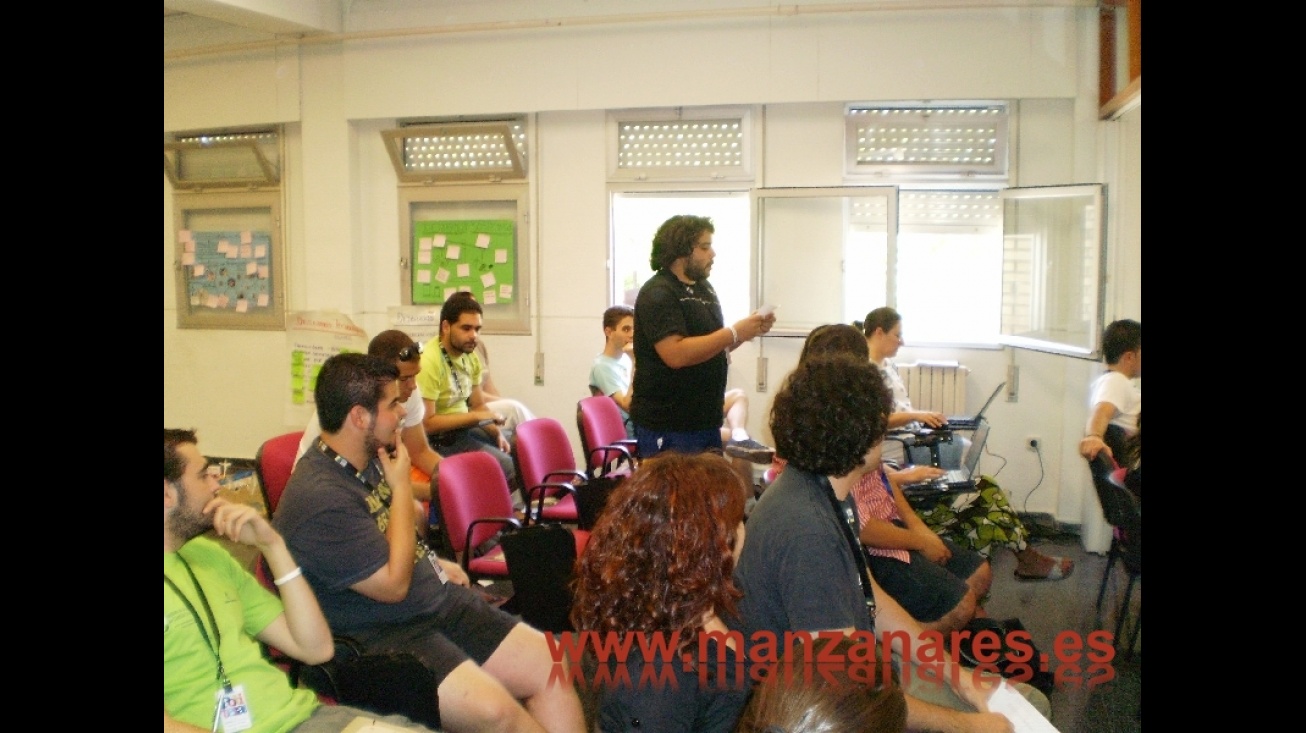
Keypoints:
pixel 523 664
pixel 735 412
pixel 471 700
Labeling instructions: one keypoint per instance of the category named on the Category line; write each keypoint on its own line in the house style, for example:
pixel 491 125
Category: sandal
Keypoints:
pixel 1061 568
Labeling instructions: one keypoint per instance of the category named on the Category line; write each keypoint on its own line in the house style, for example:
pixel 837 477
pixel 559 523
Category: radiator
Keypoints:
pixel 936 386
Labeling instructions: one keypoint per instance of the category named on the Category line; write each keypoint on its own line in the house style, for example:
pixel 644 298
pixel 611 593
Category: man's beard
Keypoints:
pixel 695 272
pixel 188 524
pixel 371 443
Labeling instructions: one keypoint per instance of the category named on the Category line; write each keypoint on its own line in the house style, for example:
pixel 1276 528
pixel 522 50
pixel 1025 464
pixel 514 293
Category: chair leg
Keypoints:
pixel 1106 573
pixel 1138 620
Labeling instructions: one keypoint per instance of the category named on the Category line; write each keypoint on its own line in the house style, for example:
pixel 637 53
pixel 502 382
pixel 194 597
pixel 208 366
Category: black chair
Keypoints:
pixel 1124 513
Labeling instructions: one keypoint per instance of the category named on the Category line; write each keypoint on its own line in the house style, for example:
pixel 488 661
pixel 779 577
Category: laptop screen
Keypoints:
pixel 976 449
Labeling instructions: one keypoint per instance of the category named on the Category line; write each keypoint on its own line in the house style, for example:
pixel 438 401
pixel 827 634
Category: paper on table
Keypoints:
pixel 1023 716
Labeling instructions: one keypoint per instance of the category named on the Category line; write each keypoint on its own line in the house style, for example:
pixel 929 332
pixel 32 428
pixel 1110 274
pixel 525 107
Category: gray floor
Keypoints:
pixel 1047 608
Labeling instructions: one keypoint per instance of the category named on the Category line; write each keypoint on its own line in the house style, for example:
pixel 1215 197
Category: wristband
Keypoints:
pixel 733 334
pixel 298 571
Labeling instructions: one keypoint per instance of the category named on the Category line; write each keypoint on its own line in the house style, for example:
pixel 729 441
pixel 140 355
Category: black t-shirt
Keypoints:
pixel 689 398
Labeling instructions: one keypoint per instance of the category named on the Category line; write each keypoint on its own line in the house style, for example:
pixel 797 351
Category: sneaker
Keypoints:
pixel 749 450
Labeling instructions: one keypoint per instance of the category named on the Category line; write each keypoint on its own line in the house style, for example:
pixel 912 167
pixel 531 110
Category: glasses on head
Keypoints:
pixel 408 353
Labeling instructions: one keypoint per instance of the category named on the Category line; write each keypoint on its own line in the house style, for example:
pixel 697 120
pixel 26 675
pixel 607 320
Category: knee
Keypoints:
pixel 958 617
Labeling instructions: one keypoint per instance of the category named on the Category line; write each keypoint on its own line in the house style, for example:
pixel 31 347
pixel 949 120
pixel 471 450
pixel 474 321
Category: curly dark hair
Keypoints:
pixel 661 555
pixel 676 238
pixel 830 411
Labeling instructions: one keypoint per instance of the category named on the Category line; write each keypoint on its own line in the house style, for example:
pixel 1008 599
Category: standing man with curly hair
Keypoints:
pixel 681 342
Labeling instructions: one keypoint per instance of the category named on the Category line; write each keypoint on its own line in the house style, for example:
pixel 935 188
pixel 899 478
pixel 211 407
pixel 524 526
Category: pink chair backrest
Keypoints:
pixel 472 487
pixel 274 463
pixel 599 421
pixel 542 447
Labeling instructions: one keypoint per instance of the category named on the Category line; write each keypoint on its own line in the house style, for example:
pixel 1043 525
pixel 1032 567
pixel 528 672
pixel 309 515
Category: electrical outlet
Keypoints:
pixel 1033 443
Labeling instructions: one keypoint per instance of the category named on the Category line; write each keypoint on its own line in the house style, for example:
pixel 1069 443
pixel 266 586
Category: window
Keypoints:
pixel 458 151
pixel 943 267
pixel 222 159
pixel 636 218
pixel 696 144
pixel 927 141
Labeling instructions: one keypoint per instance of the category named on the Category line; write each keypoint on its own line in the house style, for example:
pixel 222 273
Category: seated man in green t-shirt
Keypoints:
pixel 457 417
pixel 215 613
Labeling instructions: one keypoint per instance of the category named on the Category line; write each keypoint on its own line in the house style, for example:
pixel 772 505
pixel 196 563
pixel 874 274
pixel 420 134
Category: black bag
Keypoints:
pixel 541 560
pixel 592 497
pixel 1021 671
pixel 383 682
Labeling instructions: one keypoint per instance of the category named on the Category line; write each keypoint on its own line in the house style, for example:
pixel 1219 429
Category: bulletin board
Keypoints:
pixel 227 260
pixel 487 228
pixel 475 256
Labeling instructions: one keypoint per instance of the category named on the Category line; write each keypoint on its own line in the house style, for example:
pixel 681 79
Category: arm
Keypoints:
pixel 389 584
pixel 437 423
pixel 882 533
pixel 301 630
pixel 930 419
pixel 477 404
pixel 679 351
pixel 422 456
pixel 1092 444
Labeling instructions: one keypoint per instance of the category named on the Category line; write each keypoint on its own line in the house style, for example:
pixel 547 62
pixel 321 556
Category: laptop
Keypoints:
pixel 966 422
pixel 958 480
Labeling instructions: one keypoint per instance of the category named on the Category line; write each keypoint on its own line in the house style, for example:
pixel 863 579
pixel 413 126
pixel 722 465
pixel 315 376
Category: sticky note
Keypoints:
pixel 187 258
pixel 423 276
pixel 185 235
pixel 261 251
pixel 505 291
pixel 247 250
pixel 453 252
pixel 424 244
pixel 251 268
pixel 488 297
pixel 483 241
pixel 199 271
pixel 464 270
pixel 246 237
pixel 242 306
pixel 262 300
pixel 424 257
pixel 442 275
pixel 437 240
pixel 262 272
pixel 488 279
pixel 500 256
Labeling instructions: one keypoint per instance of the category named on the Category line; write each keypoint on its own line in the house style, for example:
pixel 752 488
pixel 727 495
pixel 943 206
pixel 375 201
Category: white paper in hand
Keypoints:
pixel 1024 717
pixel 766 310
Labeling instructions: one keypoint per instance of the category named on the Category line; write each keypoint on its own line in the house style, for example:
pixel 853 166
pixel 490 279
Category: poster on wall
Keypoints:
pixel 312 337
pixel 474 256
pixel 227 270
pixel 421 323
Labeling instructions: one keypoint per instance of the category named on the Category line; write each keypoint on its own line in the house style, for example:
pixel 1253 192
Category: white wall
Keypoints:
pixel 342 211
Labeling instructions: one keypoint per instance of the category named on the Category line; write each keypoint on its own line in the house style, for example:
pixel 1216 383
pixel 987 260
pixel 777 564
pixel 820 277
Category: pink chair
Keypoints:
pixel 547 467
pixel 476 505
pixel 603 437
pixel 273 465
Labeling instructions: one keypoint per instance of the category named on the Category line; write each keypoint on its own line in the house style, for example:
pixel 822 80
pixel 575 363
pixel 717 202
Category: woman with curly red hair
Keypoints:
pixel 660 562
